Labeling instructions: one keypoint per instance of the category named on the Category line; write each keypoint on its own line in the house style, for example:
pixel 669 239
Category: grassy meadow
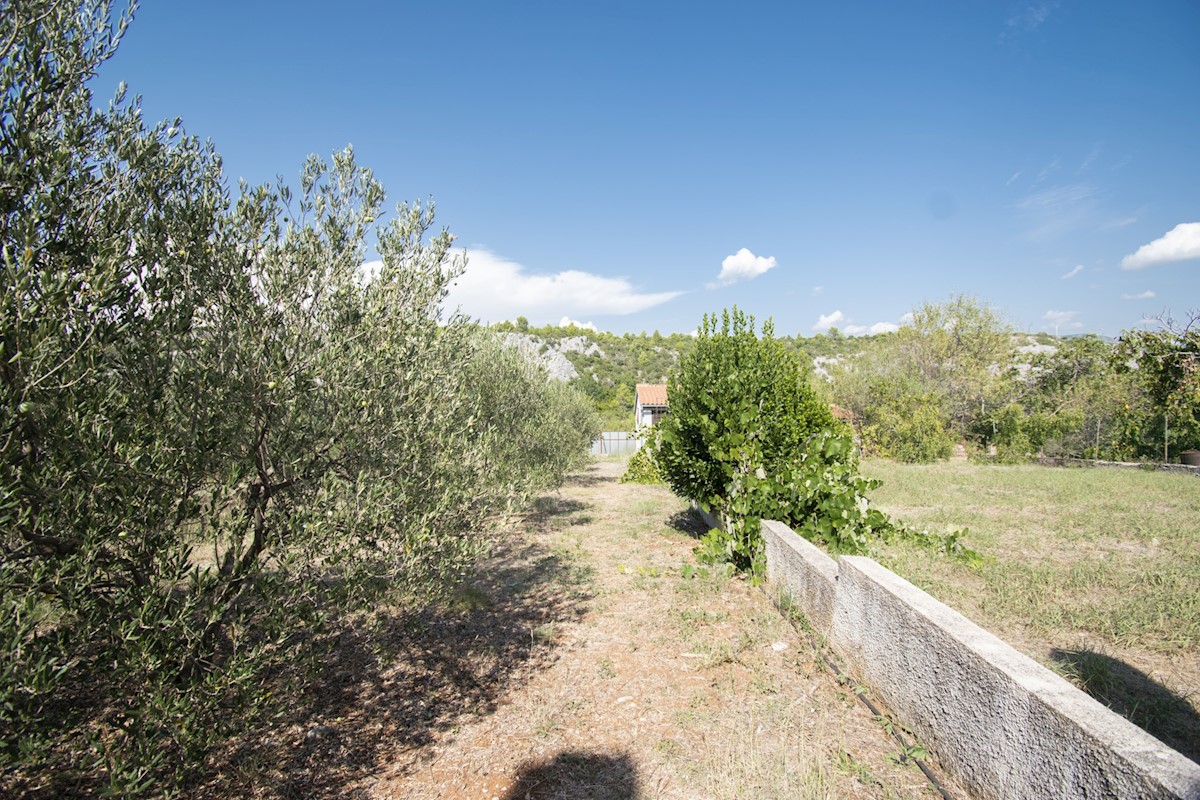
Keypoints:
pixel 1094 572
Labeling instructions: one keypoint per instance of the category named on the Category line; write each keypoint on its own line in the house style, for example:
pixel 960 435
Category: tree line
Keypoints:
pixel 958 374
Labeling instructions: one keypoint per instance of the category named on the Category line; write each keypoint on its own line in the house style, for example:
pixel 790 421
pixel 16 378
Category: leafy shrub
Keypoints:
pixel 643 465
pixel 735 399
pixel 907 426
pixel 748 438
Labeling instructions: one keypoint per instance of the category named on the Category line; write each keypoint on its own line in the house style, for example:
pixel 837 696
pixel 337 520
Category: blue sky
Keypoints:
pixel 636 164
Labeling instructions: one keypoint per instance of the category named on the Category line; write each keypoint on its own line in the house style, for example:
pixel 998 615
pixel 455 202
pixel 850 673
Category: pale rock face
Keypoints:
pixel 549 355
pixel 821 362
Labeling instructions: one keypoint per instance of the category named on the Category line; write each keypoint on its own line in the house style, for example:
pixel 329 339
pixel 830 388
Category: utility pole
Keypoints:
pixel 1166 430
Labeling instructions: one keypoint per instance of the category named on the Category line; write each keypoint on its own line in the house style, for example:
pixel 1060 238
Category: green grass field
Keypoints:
pixel 1095 572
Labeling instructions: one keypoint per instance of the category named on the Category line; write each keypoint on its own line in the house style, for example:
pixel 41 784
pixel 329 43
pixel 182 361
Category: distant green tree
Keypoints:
pixel 957 350
pixel 905 424
pixel 1166 362
pixel 931 383
pixel 1076 398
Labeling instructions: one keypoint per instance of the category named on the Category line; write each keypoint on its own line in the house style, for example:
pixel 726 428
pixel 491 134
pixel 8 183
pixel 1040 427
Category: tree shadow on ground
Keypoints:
pixel 688 521
pixel 546 508
pixel 589 479
pixel 396 682
pixel 571 775
pixel 1136 696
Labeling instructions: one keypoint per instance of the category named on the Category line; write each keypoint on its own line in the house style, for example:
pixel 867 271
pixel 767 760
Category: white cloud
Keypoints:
pixel 567 322
pixel 742 266
pixel 1117 224
pixel 827 321
pixel 493 288
pixel 878 327
pixel 1062 319
pixel 369 271
pixel 1181 243
pixel 1075 271
pixel 1146 295
pixel 907 319
pixel 817 291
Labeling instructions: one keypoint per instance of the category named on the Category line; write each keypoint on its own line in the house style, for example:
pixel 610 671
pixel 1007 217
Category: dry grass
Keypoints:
pixel 663 687
pixel 578 662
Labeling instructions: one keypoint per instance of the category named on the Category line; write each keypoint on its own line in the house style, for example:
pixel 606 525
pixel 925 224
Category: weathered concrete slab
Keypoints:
pixel 804 571
pixel 1003 724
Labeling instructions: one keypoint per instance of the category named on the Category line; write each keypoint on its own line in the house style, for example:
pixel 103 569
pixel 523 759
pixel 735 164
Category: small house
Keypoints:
pixel 649 403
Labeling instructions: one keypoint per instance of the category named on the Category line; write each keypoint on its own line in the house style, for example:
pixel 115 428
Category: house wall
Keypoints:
pixel 645 416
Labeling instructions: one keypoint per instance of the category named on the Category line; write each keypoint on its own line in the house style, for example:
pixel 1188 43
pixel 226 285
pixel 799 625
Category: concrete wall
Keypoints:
pixel 1002 724
pixel 807 573
pixel 709 520
pixel 1185 469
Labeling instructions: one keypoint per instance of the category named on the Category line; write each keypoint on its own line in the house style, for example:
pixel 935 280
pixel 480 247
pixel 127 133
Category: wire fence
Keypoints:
pixel 615 442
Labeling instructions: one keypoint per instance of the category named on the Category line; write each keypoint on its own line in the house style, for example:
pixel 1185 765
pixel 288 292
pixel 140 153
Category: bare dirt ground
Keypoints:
pixel 582 663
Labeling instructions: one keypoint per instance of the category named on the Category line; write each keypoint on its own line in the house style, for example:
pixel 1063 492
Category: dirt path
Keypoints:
pixel 600 671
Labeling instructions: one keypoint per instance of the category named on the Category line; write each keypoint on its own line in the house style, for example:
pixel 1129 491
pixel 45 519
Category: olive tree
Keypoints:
pixel 217 429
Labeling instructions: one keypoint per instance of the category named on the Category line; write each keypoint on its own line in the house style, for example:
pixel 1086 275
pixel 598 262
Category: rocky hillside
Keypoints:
pixel 552 353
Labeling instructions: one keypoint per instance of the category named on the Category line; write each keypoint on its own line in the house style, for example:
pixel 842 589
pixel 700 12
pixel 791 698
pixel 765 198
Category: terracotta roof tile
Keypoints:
pixel 652 394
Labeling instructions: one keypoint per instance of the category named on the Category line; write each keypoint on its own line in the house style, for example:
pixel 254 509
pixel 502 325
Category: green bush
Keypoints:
pixel 907 426
pixel 736 399
pixel 748 438
pixel 643 465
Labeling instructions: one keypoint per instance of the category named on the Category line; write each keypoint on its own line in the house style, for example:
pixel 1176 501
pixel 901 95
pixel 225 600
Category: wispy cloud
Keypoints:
pixel 1091 157
pixel 817 291
pixel 742 266
pixel 1116 224
pixel 1181 243
pixel 1146 295
pixel 1063 319
pixel 1031 16
pixel 827 321
pixel 1048 170
pixel 1015 175
pixel 494 288
pixel 1059 209
pixel 1078 268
